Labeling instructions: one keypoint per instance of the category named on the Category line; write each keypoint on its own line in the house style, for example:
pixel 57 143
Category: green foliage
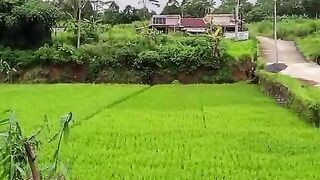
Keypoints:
pixel 17 151
pixel 13 157
pixel 26 24
pixel 8 70
pixel 89 32
pixel 196 8
pixel 288 28
pixel 304 31
pixel 240 50
pixel 310 47
pixel 301 98
pixel 304 91
pixel 113 16
pixel 172 7
pixel 133 48
pixel 58 53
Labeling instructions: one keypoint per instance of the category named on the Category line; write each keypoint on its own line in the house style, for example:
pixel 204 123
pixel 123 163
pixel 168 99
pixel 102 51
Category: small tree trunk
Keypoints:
pixel 32 161
pixel 79 24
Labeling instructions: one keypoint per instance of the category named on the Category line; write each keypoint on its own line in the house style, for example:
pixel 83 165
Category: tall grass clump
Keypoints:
pixel 310 47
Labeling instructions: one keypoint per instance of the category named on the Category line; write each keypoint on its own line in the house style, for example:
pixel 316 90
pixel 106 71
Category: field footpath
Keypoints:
pixel 108 106
pixel 298 67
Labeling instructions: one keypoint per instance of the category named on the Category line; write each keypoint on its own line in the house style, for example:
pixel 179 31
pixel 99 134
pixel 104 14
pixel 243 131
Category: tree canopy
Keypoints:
pixel 26 24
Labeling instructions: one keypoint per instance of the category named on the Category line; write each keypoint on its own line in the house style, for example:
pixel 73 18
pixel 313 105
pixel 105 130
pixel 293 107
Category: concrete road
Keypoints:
pixel 298 67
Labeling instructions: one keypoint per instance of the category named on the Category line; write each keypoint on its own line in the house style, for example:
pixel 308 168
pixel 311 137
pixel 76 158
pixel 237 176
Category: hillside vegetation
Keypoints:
pixel 128 53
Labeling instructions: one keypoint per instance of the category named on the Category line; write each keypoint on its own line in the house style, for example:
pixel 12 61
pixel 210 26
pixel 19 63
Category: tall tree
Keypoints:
pixel 112 15
pixel 26 24
pixel 172 7
pixel 312 7
pixel 197 8
pixel 72 7
pixel 145 9
pixel 228 6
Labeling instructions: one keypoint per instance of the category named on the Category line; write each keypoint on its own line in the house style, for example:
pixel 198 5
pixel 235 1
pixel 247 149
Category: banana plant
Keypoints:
pixel 17 150
pixel 215 35
pixel 8 70
pixel 146 32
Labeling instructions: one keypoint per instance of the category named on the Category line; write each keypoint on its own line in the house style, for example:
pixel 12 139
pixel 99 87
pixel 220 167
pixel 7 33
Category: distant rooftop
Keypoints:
pixel 221 15
pixel 226 20
pixel 166 16
pixel 193 22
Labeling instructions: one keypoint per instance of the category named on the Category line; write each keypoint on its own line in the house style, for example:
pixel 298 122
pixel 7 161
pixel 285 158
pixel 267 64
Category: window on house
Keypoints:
pixel 159 21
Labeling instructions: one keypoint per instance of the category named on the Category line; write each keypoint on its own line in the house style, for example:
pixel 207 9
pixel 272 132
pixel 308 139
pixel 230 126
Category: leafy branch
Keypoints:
pixel 8 70
pixel 17 151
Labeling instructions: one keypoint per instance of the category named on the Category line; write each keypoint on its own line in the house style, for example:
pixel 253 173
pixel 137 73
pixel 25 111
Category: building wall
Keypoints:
pixel 173 21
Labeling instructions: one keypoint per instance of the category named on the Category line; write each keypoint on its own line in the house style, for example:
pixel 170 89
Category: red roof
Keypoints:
pixel 193 22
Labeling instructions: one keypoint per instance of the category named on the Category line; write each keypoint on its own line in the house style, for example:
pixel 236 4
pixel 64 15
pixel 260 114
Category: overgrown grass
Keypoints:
pixel 240 50
pixel 287 29
pixel 304 91
pixel 119 33
pixel 63 37
pixel 310 46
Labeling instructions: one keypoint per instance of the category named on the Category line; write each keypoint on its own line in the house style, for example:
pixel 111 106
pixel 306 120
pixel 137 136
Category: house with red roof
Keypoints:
pixel 166 23
pixel 193 25
pixel 173 23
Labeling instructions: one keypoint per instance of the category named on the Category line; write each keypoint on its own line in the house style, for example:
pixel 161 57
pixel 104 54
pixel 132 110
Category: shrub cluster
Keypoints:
pixel 131 50
pixel 145 58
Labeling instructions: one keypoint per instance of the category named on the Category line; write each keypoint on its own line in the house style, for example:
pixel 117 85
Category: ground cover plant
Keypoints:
pixel 191 131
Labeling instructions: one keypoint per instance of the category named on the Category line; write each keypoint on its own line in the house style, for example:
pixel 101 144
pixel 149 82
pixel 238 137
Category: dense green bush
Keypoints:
pixel 15 57
pixel 129 50
pixel 58 53
pixel 26 24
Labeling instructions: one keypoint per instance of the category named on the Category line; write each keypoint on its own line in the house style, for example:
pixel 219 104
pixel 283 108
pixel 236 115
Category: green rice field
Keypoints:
pixel 229 131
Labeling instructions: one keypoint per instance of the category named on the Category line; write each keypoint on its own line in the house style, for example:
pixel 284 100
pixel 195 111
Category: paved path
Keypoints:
pixel 298 67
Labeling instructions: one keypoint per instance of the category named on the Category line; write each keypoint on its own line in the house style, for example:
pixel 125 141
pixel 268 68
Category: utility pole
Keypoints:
pixel 237 19
pixel 276 50
pixel 79 23
pixel 144 9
